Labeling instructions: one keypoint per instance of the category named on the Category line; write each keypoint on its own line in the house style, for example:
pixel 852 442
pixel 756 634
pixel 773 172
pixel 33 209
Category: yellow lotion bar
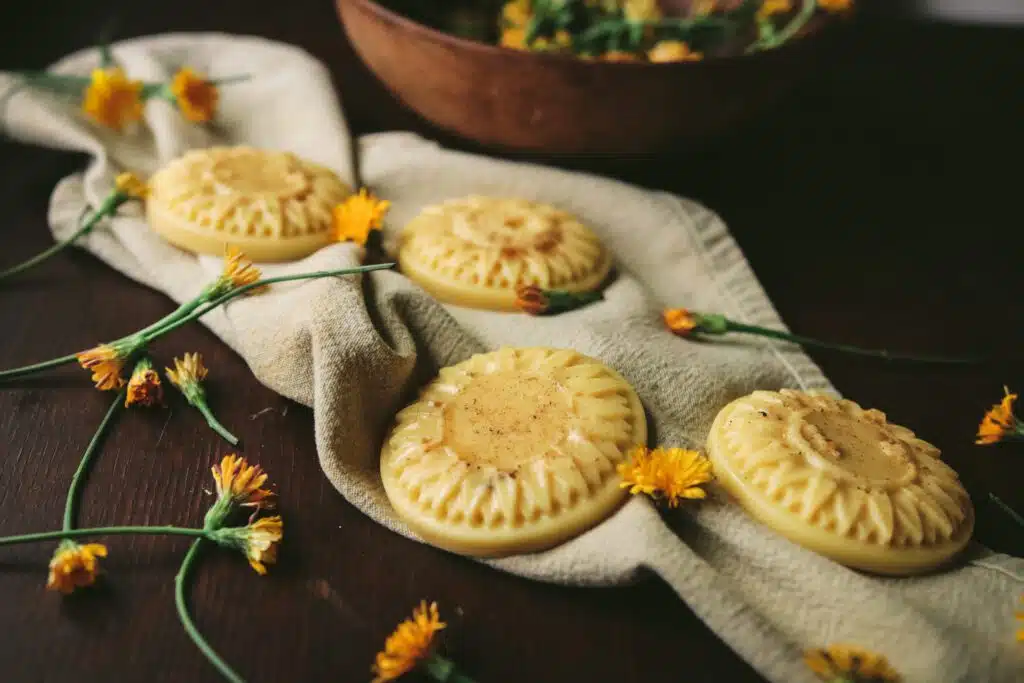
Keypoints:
pixel 475 251
pixel 272 205
pixel 841 481
pixel 512 451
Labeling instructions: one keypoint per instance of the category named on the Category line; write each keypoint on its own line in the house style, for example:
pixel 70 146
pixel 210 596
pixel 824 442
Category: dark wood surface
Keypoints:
pixel 878 205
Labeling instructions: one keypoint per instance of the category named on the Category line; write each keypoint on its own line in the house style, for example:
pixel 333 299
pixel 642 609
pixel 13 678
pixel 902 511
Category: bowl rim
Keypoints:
pixel 828 20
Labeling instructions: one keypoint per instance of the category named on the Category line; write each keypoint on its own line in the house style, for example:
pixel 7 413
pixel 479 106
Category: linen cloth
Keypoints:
pixel 356 349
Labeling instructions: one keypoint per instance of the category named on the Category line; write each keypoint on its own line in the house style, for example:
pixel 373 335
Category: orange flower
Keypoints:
pixel 188 371
pixel 673 473
pixel 851 664
pixel 238 270
pixel 409 644
pixel 196 96
pixel 74 566
pixel 111 99
pixel 673 51
pixel 262 538
pixel 358 216
pixel 106 363
pixel 531 299
pixel 239 482
pixel 680 321
pixel 131 185
pixel 144 388
pixel 1000 422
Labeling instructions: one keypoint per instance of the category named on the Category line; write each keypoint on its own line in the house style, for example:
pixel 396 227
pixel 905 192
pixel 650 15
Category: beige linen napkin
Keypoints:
pixel 354 349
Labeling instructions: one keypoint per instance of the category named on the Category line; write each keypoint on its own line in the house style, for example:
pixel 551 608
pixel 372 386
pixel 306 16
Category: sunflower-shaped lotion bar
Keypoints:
pixel 273 206
pixel 475 251
pixel 841 480
pixel 512 451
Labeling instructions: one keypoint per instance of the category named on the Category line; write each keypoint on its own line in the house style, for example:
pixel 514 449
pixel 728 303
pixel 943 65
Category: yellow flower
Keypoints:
pixel 850 663
pixel 196 96
pixel 619 56
pixel 131 185
pixel 673 473
pixel 74 566
pixel 835 5
pixel 531 299
pixel 111 99
pixel 514 38
pixel 409 644
pixel 673 51
pixel 188 371
pixel 261 540
pixel 239 482
pixel 517 13
pixel 144 388
pixel 357 216
pixel 680 321
pixel 999 422
pixel 772 7
pixel 106 363
pixel 238 270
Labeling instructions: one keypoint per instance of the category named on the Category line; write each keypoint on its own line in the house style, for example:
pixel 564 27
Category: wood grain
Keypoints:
pixel 878 206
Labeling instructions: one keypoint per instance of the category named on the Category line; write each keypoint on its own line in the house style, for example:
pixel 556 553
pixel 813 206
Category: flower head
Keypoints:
pixel 835 5
pixel 239 483
pixel 409 644
pixel 144 388
pixel 188 369
pixel 258 540
pixel 1000 422
pixel 238 272
pixel 131 185
pixel 196 96
pixel 358 216
pixel 680 321
pixel 850 663
pixel 770 8
pixel 673 51
pixel 673 473
pixel 531 299
pixel 517 13
pixel 111 99
pixel 106 362
pixel 74 566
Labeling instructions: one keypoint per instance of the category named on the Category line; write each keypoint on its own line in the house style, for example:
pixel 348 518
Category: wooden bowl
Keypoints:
pixel 556 104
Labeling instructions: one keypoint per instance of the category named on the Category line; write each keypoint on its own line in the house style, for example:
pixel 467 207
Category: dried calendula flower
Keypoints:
pixel 74 566
pixel 258 540
pixel 358 216
pixel 673 51
pixel 239 484
pixel 111 99
pixel 238 272
pixel 850 664
pixel 195 95
pixel 188 375
pixel 680 321
pixel 107 361
pixel 411 645
pixel 1000 422
pixel 672 473
pixel 536 301
pixel 144 387
pixel 130 185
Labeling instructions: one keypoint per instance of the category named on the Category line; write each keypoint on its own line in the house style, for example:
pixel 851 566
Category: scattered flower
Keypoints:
pixel 188 375
pixel 358 216
pixel 409 645
pixel 144 388
pixel 239 483
pixel 537 301
pixel 673 51
pixel 131 185
pixel 74 566
pixel 680 321
pixel 1000 422
pixel 850 664
pixel 258 540
pixel 672 473
pixel 107 361
pixel 111 99
pixel 196 96
pixel 238 272
pixel 772 7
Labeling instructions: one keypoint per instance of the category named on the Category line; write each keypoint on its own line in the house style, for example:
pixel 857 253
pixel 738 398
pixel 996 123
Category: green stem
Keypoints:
pixel 443 670
pixel 104 531
pixel 180 580
pixel 1010 512
pixel 733 326
pixel 791 29
pixel 113 200
pixel 76 479
pixel 29 369
pixel 215 424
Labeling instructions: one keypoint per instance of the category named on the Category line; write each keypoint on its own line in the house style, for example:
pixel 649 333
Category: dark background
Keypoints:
pixel 879 205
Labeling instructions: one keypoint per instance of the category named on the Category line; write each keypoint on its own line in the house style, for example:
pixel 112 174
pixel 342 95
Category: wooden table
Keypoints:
pixel 878 205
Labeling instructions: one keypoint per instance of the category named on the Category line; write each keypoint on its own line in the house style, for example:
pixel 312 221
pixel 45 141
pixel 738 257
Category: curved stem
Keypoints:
pixel 104 531
pixel 35 367
pixel 215 424
pixel 180 580
pixel 846 348
pixel 76 479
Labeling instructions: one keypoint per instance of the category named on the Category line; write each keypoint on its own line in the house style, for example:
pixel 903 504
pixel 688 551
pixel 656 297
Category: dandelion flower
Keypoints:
pixel 131 185
pixel 188 371
pixel 196 96
pixel 672 473
pixel 851 664
pixel 240 483
pixel 74 566
pixel 111 99
pixel 999 422
pixel 358 216
pixel 409 644
pixel 106 363
pixel 680 321
pixel 144 388
pixel 258 540
pixel 238 272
